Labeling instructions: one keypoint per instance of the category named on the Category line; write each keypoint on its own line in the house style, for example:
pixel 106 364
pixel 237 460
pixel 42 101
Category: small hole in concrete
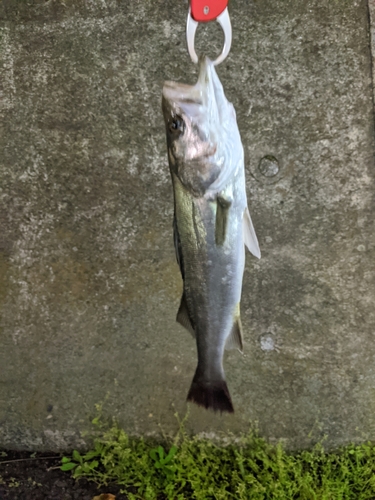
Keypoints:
pixel 269 166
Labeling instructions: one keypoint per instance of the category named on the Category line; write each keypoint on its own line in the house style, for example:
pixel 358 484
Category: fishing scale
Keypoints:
pixel 204 11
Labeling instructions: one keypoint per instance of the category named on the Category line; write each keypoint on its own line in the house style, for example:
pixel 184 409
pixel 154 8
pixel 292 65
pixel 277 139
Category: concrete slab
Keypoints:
pixel 89 286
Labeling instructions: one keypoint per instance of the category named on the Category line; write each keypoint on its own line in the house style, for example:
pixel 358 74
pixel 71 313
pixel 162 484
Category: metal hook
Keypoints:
pixel 191 28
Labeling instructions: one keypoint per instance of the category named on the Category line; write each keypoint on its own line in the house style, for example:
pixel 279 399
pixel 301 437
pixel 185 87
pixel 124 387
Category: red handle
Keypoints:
pixel 207 10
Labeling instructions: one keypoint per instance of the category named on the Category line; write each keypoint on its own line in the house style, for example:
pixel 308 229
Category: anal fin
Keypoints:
pixel 235 338
pixel 183 316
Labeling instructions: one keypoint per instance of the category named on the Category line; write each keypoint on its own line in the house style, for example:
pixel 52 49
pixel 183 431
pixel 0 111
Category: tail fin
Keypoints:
pixel 214 395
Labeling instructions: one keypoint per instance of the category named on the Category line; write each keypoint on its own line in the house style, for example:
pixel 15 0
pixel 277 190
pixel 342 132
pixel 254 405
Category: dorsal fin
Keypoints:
pixel 249 236
pixel 177 245
pixel 183 316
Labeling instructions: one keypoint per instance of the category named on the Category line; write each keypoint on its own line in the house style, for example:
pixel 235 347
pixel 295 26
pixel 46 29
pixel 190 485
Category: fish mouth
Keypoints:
pixel 181 93
pixel 203 101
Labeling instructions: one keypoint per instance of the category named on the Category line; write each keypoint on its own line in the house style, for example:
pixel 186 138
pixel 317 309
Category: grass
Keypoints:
pixel 193 468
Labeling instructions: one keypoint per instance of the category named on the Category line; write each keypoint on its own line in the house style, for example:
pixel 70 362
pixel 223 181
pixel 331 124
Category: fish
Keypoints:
pixel 211 225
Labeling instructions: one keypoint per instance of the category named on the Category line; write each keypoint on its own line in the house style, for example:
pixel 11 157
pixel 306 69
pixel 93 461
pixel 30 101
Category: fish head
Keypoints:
pixel 202 135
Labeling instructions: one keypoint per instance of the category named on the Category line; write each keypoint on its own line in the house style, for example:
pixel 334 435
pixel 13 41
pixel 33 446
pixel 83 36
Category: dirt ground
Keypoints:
pixel 30 476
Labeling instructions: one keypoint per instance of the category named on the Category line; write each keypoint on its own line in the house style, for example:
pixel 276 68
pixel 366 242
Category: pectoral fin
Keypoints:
pixel 221 225
pixel 250 238
pixel 234 341
pixel 183 316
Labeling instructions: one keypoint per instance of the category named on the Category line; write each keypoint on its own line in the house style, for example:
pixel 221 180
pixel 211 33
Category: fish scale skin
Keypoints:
pixel 207 169
pixel 212 276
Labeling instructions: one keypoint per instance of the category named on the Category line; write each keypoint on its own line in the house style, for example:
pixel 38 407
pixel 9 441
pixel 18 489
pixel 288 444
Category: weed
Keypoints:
pixel 163 460
pixel 192 468
pixel 13 483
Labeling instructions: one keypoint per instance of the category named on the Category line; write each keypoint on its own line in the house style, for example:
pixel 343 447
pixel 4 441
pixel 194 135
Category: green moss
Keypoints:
pixel 194 468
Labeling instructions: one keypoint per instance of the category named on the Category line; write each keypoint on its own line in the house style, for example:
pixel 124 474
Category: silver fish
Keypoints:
pixel 212 224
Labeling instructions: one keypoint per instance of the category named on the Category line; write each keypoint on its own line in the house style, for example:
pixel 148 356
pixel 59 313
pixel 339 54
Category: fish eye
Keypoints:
pixel 177 125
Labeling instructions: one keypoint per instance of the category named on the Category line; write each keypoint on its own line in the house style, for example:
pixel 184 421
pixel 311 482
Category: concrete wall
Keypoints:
pixel 89 286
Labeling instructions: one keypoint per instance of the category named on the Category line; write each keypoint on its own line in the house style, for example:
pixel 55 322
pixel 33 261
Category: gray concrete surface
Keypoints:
pixel 89 286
